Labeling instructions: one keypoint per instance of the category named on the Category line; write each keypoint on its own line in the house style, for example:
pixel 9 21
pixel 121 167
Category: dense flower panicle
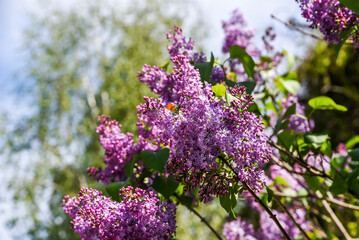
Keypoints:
pixel 297 123
pixel 238 33
pixel 331 18
pixel 140 215
pixel 217 75
pixel 201 129
pixel 179 44
pixel 118 151
pixel 240 230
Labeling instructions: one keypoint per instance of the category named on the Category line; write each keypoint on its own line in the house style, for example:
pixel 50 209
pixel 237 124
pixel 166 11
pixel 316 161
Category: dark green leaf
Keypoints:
pixel 313 182
pixel 249 85
pixel 338 162
pixel 338 186
pixel 286 139
pixel 325 103
pixel 290 111
pixel 270 194
pixel 354 153
pixel 165 186
pixel 113 189
pixel 155 160
pixel 205 69
pixel 353 181
pixel 351 4
pixel 227 203
pixel 254 109
pixel 239 53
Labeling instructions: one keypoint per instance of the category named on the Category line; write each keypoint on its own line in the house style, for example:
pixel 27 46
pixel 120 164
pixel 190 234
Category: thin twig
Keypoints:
pixel 291 26
pixel 334 217
pixel 291 217
pixel 258 200
pixel 202 218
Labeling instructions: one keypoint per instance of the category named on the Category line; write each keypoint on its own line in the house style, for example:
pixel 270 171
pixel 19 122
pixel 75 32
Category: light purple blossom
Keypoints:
pixel 140 215
pixel 203 128
pixel 332 19
pixel 240 230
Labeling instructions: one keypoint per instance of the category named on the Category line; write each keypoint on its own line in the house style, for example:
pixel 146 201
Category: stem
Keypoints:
pixel 202 218
pixel 258 200
pixel 333 216
pixel 291 217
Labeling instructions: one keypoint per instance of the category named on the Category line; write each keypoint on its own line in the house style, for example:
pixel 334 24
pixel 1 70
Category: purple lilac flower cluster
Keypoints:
pixel 203 128
pixel 140 215
pixel 240 230
pixel 238 33
pixel 332 19
pixel 181 46
pixel 119 150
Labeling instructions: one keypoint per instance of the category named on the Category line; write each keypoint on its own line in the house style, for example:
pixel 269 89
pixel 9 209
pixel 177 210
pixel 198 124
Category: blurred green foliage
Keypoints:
pixel 324 72
pixel 80 63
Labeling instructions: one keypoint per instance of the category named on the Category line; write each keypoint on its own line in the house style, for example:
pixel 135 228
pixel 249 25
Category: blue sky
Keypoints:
pixel 13 19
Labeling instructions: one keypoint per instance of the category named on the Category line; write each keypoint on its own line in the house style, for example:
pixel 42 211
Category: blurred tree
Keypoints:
pixel 324 72
pixel 80 63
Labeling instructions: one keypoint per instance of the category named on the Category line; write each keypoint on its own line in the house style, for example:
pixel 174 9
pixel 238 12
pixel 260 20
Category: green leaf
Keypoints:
pixel 205 69
pixel 292 86
pixel 313 182
pixel 290 111
pixel 165 186
pixel 156 160
pixel 230 97
pixel 338 162
pixel 354 153
pixel 227 204
pixel 165 66
pixel 352 142
pixel 239 53
pixel 353 181
pixel 351 4
pixel 113 189
pixel 280 180
pixel 325 103
pixel 286 139
pixel 254 109
pixel 326 148
pixel 249 85
pixel 338 186
pixel 219 90
pixel 129 166
pixel 270 194
pixel 315 139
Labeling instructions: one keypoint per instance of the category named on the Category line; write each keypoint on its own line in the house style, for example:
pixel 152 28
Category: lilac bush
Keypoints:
pixel 212 130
